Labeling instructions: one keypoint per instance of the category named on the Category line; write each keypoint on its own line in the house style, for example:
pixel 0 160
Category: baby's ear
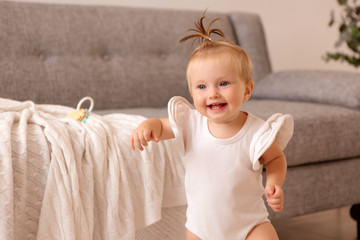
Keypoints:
pixel 248 90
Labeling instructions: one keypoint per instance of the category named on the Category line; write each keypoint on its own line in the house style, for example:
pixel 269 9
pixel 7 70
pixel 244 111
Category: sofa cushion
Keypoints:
pixel 333 87
pixel 321 132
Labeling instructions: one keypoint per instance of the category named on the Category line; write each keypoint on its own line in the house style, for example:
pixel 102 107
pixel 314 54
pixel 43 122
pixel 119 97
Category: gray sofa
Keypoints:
pixel 129 60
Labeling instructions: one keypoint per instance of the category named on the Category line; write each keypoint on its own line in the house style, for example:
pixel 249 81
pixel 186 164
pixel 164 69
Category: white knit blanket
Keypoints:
pixel 63 179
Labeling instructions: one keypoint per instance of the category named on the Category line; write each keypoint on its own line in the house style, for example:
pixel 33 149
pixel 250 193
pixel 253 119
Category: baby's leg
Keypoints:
pixel 191 236
pixel 263 231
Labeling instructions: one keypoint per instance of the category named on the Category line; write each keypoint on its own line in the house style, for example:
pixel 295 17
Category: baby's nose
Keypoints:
pixel 213 93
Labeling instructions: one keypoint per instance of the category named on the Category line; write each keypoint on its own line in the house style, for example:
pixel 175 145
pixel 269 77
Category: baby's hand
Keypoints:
pixel 275 197
pixel 144 133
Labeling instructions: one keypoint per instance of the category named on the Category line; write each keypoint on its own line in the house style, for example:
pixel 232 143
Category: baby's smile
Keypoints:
pixel 216 106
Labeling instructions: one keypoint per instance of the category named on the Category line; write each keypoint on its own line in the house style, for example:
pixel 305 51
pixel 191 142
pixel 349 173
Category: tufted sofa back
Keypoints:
pixel 122 57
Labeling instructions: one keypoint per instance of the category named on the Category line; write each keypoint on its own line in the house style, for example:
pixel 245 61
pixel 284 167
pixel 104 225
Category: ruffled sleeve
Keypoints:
pixel 178 110
pixel 278 127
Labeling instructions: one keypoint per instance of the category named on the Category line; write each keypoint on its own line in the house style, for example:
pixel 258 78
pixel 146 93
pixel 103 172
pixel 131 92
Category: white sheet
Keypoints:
pixel 62 179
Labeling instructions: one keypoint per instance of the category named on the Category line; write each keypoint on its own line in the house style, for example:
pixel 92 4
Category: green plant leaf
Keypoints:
pixel 349 33
pixel 343 27
pixel 352 60
pixel 332 18
pixel 357 10
pixel 342 2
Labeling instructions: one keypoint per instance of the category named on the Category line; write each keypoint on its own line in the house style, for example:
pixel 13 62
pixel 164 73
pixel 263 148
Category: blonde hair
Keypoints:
pixel 208 47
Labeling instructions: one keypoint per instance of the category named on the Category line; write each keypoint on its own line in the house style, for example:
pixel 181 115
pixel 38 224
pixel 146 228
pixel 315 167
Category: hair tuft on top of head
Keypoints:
pixel 201 34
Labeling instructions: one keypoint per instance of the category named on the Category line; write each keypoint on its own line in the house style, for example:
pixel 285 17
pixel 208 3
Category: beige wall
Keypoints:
pixel 297 31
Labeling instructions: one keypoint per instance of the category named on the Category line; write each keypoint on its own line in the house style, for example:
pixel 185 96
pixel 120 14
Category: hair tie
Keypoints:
pixel 201 33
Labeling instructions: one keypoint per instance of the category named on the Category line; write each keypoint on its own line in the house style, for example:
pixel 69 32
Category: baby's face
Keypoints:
pixel 217 90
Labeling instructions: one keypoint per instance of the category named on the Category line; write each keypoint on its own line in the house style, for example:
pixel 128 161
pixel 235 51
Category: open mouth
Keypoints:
pixel 217 106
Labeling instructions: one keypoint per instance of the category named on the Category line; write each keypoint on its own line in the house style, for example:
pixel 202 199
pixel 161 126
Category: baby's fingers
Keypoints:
pixel 155 137
pixel 269 191
pixel 140 138
pixel 137 140
pixel 273 191
pixel 143 142
pixel 131 142
pixel 274 201
pixel 278 193
pixel 150 135
pixel 138 143
pixel 146 136
pixel 276 207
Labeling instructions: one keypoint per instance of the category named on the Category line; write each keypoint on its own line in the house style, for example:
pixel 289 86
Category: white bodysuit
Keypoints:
pixel 223 177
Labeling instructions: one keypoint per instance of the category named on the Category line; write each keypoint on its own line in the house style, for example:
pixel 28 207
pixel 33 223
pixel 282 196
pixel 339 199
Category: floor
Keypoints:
pixel 328 225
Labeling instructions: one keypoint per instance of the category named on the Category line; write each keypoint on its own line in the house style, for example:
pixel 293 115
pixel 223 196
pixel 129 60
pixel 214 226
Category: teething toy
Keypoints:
pixel 82 114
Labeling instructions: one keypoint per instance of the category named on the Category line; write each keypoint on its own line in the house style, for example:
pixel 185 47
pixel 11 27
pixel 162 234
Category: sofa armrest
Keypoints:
pixel 331 87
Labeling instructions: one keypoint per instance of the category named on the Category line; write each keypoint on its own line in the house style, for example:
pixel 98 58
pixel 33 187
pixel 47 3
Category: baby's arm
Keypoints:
pixel 152 129
pixel 276 168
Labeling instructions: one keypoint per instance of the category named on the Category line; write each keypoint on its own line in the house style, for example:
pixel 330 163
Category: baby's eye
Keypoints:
pixel 223 84
pixel 201 86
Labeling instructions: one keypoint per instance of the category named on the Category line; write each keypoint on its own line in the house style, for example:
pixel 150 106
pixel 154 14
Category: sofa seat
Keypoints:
pixel 146 112
pixel 318 128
